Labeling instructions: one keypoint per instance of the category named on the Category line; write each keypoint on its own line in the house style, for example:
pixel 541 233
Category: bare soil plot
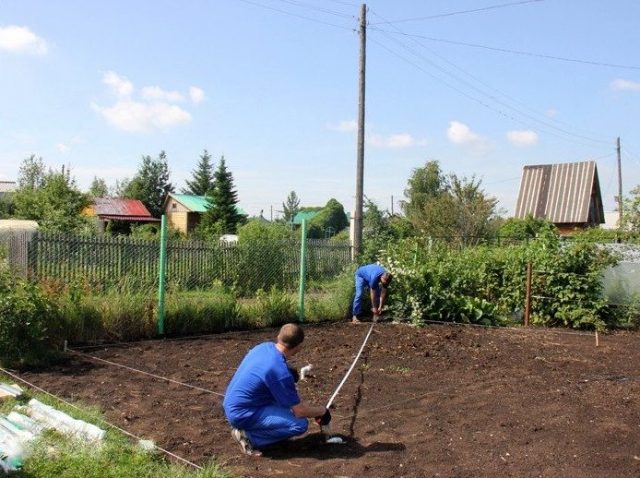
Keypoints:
pixel 442 401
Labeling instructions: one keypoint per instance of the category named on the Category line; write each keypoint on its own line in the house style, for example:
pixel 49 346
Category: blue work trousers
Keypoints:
pixel 361 286
pixel 273 424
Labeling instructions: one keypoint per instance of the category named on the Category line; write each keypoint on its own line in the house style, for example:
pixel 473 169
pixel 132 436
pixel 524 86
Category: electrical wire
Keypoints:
pixel 473 87
pixel 459 12
pixel 285 12
pixel 515 52
pixel 310 6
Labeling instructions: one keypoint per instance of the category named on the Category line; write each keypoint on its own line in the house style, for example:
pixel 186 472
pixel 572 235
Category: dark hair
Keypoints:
pixel 291 335
pixel 388 279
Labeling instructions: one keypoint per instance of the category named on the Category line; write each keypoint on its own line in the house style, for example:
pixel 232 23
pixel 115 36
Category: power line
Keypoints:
pixel 285 12
pixel 459 12
pixel 483 103
pixel 515 52
pixel 310 6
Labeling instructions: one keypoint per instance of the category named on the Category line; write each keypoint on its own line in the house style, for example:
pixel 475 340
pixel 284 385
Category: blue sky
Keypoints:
pixel 272 86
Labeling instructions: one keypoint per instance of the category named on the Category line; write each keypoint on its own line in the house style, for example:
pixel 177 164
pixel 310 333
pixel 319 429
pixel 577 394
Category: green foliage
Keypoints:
pixel 330 300
pixel 222 215
pixel 379 229
pixel 151 183
pixel 7 206
pixel 210 311
pixel 631 211
pixel 50 198
pixel 486 285
pixel 30 324
pixel 270 309
pixel 447 206
pixel 330 220
pixel 516 229
pixel 203 180
pixel 291 207
pixel 98 188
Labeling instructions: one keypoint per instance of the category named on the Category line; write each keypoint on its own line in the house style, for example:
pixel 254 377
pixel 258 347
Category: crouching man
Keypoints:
pixel 262 403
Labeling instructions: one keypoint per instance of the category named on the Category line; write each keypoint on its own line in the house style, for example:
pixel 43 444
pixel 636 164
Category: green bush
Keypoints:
pixel 486 285
pixel 30 324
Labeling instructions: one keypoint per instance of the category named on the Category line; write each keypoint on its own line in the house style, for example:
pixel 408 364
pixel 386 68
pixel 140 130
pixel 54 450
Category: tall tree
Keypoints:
pixel 202 181
pixel 98 188
pixel 447 206
pixel 291 207
pixel 151 183
pixel 222 216
pixel 52 199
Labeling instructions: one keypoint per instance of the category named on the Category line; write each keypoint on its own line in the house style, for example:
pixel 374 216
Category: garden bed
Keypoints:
pixel 443 401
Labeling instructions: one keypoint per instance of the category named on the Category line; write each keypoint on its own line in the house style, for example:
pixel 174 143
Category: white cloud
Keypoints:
pixel 460 133
pixel 523 137
pixel 552 112
pixel 16 39
pixel 395 141
pixel 62 148
pixel 154 111
pixel 625 85
pixel 137 117
pixel 348 126
pixel 119 85
pixel 157 93
pixel 196 94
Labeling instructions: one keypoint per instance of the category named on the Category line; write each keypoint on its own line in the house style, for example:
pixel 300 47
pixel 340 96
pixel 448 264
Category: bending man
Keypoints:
pixel 377 279
pixel 261 402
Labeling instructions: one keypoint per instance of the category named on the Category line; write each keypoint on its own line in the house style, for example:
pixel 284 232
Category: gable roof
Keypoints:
pixel 562 193
pixel 121 209
pixel 194 203
pixel 308 215
pixel 191 202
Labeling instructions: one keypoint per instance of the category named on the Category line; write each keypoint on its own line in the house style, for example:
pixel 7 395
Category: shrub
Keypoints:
pixel 30 324
pixel 270 309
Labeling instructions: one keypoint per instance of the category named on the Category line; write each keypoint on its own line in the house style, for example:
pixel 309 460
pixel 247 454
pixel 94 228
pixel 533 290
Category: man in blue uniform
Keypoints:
pixel 377 279
pixel 261 402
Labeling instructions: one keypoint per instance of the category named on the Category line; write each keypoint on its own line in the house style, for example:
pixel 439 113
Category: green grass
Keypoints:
pixel 57 456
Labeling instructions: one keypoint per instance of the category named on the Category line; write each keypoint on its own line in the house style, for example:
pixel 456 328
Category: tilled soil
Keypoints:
pixel 441 401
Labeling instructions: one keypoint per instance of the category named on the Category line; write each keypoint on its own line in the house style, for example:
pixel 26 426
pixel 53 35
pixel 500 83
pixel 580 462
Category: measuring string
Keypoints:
pixel 351 368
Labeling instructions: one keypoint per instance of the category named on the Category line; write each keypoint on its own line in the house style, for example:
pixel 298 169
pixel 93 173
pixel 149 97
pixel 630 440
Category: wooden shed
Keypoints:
pixel 567 194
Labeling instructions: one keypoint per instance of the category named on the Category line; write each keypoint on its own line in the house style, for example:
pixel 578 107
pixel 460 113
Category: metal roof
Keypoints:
pixel 191 202
pixel 120 208
pixel 8 186
pixel 308 215
pixel 195 203
pixel 562 193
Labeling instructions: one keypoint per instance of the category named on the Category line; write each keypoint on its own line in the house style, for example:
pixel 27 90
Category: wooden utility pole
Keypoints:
pixel 357 217
pixel 619 183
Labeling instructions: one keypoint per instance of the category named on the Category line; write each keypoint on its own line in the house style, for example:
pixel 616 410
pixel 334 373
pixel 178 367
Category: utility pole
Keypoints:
pixel 357 217
pixel 619 183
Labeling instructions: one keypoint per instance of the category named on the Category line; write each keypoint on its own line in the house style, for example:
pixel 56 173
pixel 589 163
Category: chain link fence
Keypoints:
pixel 126 263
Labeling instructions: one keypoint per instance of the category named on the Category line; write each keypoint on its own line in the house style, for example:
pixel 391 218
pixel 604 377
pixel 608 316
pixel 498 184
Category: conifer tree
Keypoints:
pixel 202 181
pixel 222 216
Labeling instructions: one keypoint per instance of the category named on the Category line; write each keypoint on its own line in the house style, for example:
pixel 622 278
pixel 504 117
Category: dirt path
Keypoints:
pixel 442 401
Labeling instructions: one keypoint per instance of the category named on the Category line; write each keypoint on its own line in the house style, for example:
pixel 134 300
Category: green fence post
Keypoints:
pixel 303 269
pixel 162 268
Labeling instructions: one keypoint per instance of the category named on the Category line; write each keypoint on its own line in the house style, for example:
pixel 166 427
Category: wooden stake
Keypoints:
pixel 597 341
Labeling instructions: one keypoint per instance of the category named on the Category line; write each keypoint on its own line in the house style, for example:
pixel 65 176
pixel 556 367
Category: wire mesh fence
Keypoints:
pixel 122 262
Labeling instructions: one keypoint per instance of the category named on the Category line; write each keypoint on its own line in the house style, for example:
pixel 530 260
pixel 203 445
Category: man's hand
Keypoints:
pixel 325 419
pixel 294 373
